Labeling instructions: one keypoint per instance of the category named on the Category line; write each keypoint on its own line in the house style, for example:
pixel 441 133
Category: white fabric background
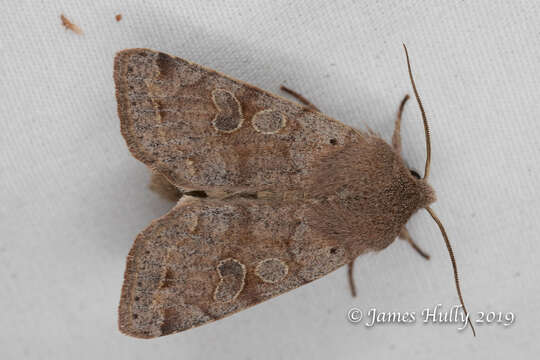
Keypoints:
pixel 72 199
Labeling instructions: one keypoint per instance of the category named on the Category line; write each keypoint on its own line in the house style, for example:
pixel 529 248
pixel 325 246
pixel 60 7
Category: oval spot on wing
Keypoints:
pixel 232 276
pixel 268 121
pixel 271 270
pixel 229 117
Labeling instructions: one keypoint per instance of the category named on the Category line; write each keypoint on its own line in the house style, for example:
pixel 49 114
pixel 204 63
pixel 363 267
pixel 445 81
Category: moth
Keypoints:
pixel 272 194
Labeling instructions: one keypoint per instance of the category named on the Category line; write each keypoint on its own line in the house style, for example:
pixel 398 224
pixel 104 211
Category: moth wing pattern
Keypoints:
pixel 209 258
pixel 203 130
pixel 292 193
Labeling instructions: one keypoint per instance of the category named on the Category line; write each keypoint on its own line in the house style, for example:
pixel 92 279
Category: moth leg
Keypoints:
pixel 404 234
pixel 396 137
pixel 299 97
pixel 351 278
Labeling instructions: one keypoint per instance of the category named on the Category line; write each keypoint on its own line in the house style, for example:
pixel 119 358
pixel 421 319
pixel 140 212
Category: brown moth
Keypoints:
pixel 273 195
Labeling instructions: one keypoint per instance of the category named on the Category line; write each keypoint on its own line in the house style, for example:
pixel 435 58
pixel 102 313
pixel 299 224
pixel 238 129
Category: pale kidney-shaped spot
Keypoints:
pixel 271 270
pixel 268 121
pixel 232 275
pixel 229 117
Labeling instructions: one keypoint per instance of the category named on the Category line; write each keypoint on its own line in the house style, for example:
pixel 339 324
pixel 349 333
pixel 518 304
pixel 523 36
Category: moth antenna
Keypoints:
pixel 454 265
pixel 424 118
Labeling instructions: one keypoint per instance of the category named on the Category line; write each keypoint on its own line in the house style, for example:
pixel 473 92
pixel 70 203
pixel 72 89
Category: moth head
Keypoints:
pixel 426 193
pixel 428 190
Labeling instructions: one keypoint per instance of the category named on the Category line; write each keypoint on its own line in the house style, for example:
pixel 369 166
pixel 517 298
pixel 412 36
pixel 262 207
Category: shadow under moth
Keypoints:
pixel 271 194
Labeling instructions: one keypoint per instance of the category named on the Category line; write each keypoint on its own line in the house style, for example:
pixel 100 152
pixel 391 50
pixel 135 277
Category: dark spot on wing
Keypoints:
pixel 166 65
